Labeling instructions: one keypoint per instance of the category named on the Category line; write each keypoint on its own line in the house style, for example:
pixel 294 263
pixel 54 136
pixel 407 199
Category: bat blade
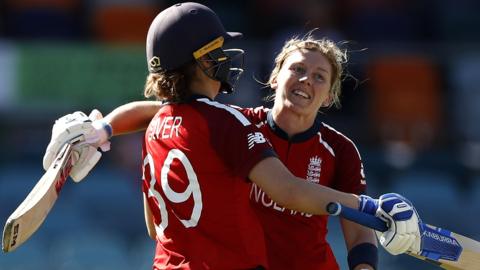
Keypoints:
pixel 469 257
pixel 441 247
pixel 31 213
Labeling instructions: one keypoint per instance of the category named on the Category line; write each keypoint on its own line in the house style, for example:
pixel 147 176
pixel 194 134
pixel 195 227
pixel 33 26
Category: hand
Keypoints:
pixel 404 231
pixel 86 136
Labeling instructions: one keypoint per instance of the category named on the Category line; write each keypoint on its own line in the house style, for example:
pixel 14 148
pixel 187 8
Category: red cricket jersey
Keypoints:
pixel 197 156
pixel 320 155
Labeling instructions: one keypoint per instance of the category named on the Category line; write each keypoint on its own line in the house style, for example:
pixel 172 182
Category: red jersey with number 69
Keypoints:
pixel 197 156
pixel 320 155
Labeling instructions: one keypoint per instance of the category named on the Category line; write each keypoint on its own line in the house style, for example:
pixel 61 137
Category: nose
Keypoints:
pixel 304 79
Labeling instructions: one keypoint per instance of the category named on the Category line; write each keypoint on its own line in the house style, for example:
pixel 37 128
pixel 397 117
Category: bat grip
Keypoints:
pixel 367 220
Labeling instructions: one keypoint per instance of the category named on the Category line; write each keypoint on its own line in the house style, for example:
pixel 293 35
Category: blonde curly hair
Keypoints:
pixel 170 86
pixel 335 56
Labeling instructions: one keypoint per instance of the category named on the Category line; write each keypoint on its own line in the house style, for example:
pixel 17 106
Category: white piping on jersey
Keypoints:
pixel 240 117
pixel 348 139
pixel 325 144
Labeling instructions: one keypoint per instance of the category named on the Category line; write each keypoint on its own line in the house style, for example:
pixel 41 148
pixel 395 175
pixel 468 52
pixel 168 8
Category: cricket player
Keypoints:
pixel 306 78
pixel 200 156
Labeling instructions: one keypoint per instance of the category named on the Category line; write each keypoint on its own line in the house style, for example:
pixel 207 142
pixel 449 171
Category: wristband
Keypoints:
pixel 108 129
pixel 104 130
pixel 365 253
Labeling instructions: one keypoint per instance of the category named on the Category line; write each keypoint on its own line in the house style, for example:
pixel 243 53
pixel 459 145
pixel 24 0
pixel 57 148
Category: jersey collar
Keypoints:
pixel 197 96
pixel 300 137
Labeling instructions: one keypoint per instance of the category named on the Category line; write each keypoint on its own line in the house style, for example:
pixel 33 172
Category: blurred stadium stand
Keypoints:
pixel 122 23
pixel 420 73
pixel 465 78
pixel 405 105
pixel 45 19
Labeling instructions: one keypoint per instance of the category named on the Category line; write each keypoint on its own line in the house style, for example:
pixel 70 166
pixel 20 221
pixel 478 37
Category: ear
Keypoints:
pixel 327 102
pixel 274 84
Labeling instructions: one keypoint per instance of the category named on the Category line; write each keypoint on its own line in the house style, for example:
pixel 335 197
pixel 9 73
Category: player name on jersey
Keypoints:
pixel 165 128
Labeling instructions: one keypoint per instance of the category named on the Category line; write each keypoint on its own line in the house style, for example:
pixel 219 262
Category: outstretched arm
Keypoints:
pixel 88 135
pixel 402 235
pixel 127 118
pixel 295 193
pixel 132 117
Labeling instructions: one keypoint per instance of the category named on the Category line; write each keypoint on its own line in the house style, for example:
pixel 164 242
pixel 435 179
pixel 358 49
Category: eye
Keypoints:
pixel 299 70
pixel 318 77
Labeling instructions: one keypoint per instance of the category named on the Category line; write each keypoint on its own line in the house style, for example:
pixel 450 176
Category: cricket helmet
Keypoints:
pixel 179 31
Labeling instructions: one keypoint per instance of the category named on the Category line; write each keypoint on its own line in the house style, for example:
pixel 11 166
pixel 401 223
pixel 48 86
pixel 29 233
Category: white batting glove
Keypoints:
pixel 404 233
pixel 87 134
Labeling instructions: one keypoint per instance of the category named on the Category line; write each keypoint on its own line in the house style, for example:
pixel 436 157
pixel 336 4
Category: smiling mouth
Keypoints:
pixel 301 93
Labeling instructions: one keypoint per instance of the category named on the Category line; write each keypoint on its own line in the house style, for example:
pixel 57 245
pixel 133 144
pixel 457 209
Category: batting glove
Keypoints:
pixel 404 233
pixel 87 134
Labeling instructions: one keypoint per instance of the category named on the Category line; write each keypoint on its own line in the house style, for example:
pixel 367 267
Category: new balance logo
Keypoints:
pixel 254 138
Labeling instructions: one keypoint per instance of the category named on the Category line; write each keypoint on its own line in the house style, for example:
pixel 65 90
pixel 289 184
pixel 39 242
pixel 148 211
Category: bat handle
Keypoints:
pixel 373 222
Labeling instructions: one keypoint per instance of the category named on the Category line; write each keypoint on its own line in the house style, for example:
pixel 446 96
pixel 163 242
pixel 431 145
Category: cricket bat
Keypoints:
pixel 31 213
pixel 441 247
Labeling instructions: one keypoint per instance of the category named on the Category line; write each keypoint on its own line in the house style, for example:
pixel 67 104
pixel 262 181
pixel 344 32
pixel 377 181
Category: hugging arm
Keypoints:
pixel 90 133
pixel 132 117
pixel 289 191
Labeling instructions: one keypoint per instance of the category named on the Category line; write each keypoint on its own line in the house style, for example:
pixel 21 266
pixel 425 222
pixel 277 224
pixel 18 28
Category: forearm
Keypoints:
pixel 361 244
pixel 319 196
pixel 148 219
pixel 132 117
pixel 356 234
pixel 296 193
